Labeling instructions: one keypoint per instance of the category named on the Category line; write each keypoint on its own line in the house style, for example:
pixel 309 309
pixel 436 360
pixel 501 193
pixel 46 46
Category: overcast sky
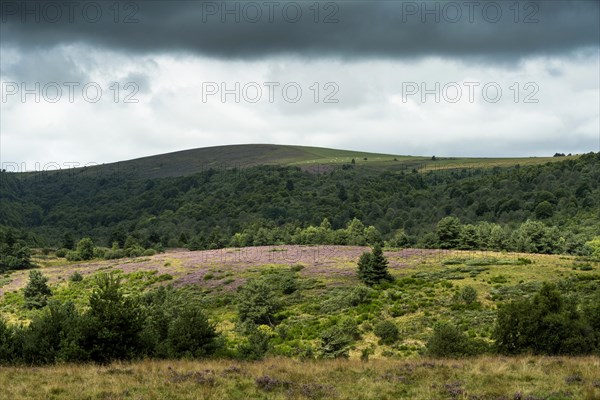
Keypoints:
pixel 93 82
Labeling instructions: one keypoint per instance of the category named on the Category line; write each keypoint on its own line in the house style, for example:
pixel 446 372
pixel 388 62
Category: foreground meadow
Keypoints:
pixel 318 291
pixel 280 378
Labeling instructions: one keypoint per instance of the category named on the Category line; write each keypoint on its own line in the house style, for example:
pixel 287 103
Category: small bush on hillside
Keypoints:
pixel 466 298
pixel 73 256
pixel 9 344
pixel 449 341
pixel 85 248
pixel 134 251
pixel 53 335
pixel 336 341
pixel 387 332
pixel 256 345
pixel 400 239
pixel 400 309
pixel 113 325
pixel 61 253
pixel 114 254
pixel 191 335
pixel 343 298
pixel 288 284
pixel 258 303
pixel 594 246
pixel 546 324
pixel 149 253
pixel 100 252
pixel 76 277
pixel 468 294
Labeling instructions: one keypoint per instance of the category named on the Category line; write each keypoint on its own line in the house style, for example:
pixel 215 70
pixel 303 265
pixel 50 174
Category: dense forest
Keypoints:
pixel 556 204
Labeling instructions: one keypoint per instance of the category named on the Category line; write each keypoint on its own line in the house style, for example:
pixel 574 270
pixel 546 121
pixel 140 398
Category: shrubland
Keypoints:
pixel 451 306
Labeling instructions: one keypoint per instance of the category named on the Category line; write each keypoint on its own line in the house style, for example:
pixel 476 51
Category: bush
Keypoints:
pixel 547 324
pixel 449 341
pixel 190 334
pixel 466 297
pixel 100 252
pixel 73 256
pixel 175 326
pixel 53 335
pixel 36 292
pixel 10 350
pixel 14 254
pixel 387 332
pixel 342 298
pixel 256 345
pixel 114 254
pixel 149 252
pixel 469 295
pixel 594 246
pixel 61 253
pixel 288 284
pixel 400 239
pixel 134 251
pixel 85 248
pixel 257 303
pixel 76 277
pixel 112 327
pixel 335 341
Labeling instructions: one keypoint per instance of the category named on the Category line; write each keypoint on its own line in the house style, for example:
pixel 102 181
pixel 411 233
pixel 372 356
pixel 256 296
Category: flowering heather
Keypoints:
pixel 230 267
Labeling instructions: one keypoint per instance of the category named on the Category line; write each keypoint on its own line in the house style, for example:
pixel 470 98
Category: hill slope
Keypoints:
pixel 189 162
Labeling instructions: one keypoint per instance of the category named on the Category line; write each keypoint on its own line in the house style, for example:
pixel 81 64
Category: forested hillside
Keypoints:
pixel 207 209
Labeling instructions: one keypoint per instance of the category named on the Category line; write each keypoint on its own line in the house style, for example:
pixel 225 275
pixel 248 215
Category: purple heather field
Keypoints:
pixel 229 266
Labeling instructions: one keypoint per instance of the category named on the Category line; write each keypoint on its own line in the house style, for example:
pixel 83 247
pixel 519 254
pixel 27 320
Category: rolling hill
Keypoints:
pixel 189 162
pixel 211 194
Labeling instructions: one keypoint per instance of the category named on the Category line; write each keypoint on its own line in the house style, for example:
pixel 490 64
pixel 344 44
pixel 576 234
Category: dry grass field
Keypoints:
pixel 281 378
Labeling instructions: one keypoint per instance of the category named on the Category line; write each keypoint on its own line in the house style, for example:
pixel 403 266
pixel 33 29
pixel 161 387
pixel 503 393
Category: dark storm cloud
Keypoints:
pixel 348 29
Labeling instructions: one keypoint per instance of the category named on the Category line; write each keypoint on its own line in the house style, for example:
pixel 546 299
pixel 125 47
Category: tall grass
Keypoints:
pixel 278 378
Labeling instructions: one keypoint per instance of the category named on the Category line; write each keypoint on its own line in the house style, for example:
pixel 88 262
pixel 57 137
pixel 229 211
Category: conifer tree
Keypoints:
pixel 373 267
pixel 36 292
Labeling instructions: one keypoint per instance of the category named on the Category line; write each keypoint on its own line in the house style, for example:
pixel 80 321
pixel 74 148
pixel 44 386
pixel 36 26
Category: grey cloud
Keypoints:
pixel 50 65
pixel 364 29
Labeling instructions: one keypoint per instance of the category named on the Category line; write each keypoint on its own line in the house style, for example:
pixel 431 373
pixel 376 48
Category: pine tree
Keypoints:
pixel 36 292
pixel 379 265
pixel 373 267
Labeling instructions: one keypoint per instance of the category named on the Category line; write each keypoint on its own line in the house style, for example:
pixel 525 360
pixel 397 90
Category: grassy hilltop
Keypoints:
pixel 193 161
